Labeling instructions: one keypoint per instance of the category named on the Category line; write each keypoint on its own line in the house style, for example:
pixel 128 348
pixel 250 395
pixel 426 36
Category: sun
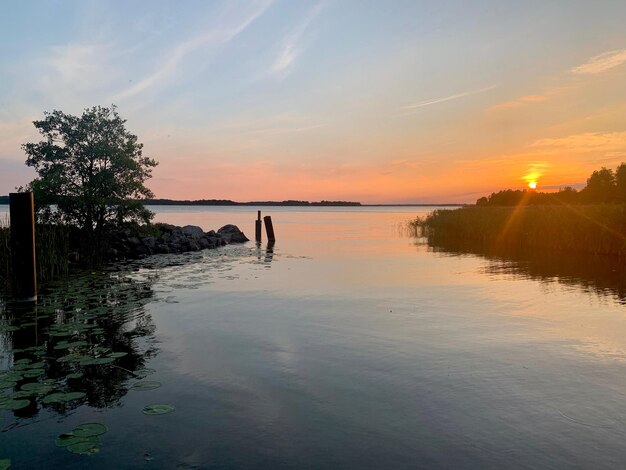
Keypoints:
pixel 532 185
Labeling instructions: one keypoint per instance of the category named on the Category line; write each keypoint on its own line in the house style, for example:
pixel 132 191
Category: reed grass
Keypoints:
pixel 52 252
pixel 594 229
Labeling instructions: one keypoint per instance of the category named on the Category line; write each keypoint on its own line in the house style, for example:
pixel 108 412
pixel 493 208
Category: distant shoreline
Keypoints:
pixel 288 203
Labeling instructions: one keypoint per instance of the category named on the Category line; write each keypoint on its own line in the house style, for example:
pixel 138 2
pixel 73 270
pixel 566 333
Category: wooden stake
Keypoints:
pixel 22 214
pixel 257 227
pixel 269 228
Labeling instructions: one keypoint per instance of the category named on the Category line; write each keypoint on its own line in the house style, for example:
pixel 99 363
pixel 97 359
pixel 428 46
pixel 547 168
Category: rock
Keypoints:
pixel 149 242
pixel 204 243
pixel 231 234
pixel 192 231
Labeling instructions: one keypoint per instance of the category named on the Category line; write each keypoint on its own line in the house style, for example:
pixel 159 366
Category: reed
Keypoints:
pixel 595 229
pixel 52 252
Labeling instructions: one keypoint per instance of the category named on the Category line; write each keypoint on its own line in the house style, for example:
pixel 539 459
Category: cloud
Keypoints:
pixel 414 107
pixel 291 47
pixel 587 142
pixel 601 63
pixel 214 37
pixel 520 102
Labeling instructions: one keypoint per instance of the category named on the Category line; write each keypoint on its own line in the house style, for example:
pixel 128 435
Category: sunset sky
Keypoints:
pixel 371 101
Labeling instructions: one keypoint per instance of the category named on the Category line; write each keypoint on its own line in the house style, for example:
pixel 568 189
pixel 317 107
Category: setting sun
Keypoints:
pixel 532 185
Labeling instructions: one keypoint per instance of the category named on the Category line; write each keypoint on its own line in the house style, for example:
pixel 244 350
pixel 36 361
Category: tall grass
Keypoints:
pixel 52 250
pixel 594 229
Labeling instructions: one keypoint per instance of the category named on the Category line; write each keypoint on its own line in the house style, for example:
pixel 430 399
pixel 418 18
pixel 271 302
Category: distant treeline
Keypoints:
pixel 603 186
pixel 227 202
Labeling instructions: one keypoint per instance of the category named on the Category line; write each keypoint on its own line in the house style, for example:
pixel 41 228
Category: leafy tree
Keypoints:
pixel 91 167
pixel 620 183
pixel 600 186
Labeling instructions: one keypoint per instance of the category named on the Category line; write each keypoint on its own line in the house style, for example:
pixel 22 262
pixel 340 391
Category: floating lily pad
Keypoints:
pixel 67 345
pixel 22 361
pixel 36 388
pixel 86 447
pixel 23 394
pixel 118 354
pixel 89 430
pixel 74 375
pixel 141 373
pixel 36 365
pixel 11 404
pixel 5 464
pixel 147 385
pixel 71 357
pixel 12 376
pixel 95 361
pixel 60 334
pixel 7 384
pixel 30 373
pixel 68 439
pixel 158 409
pixel 60 397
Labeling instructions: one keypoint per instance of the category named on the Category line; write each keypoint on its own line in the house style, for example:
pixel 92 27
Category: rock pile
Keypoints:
pixel 166 238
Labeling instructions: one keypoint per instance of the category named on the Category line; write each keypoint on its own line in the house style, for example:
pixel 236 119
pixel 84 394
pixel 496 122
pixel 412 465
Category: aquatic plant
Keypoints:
pixel 594 229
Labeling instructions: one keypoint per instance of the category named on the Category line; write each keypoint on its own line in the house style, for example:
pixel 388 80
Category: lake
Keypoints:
pixel 348 344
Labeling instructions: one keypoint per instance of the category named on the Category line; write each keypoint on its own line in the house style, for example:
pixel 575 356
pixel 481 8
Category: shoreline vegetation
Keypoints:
pixel 4 200
pixel 590 221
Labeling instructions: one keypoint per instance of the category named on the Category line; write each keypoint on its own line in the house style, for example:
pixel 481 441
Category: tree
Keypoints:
pixel 600 186
pixel 620 183
pixel 91 167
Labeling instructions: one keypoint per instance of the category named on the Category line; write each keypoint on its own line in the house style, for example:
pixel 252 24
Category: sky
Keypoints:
pixel 372 101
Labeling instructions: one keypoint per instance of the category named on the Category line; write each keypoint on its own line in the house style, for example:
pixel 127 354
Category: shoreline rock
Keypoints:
pixel 166 238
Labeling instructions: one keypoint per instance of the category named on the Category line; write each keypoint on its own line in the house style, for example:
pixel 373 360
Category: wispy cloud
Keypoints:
pixel 586 142
pixel 176 55
pixel 601 63
pixel 292 46
pixel 414 107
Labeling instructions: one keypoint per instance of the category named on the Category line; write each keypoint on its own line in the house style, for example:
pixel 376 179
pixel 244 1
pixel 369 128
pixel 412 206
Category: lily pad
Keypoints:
pixel 5 464
pixel 71 357
pixel 95 361
pixel 69 439
pixel 36 365
pixel 23 394
pixel 60 334
pixel 118 354
pixel 36 388
pixel 60 397
pixel 89 430
pixel 22 361
pixel 141 373
pixel 74 375
pixel 14 404
pixel 30 373
pixel 86 447
pixel 7 384
pixel 147 385
pixel 158 409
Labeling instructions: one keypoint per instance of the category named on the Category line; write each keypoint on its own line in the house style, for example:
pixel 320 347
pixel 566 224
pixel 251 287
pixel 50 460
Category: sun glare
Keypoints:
pixel 532 185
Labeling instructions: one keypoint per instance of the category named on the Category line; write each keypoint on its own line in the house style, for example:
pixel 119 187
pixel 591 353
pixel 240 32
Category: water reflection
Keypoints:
pixel 84 341
pixel 600 275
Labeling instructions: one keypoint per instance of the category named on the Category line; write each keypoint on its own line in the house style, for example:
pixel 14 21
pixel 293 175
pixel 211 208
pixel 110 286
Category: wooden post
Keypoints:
pixel 22 215
pixel 257 227
pixel 269 228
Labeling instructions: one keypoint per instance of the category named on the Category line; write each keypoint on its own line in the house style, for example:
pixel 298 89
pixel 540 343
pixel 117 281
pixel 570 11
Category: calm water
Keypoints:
pixel 347 345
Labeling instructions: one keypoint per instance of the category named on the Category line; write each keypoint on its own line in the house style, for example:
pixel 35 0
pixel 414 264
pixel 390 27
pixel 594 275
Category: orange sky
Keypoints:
pixel 271 100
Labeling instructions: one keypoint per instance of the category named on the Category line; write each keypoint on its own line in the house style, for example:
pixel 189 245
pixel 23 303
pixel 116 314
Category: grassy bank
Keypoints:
pixel 52 245
pixel 594 229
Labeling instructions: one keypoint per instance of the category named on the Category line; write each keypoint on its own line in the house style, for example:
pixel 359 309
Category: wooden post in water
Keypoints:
pixel 22 216
pixel 257 227
pixel 269 228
